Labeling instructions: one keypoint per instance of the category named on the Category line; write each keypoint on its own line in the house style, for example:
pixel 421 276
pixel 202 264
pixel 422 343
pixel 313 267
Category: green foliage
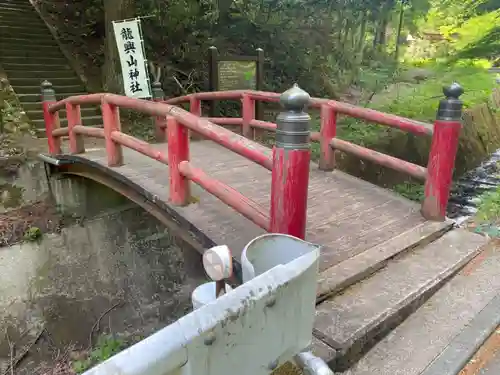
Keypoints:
pixel 33 234
pixel 489 208
pixel 410 190
pixel 106 347
pixel 422 100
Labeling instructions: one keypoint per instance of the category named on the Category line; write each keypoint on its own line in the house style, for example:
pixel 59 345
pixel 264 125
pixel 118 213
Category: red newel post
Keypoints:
pixel 159 121
pixel 248 114
pixel 178 151
pixel 444 147
pixel 73 114
pixel 111 120
pixel 327 133
pixel 291 158
pixel 51 119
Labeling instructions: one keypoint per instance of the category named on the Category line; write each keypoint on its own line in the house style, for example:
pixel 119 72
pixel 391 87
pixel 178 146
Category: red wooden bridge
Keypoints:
pixel 227 188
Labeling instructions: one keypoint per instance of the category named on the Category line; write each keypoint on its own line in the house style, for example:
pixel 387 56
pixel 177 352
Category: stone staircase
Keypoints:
pixel 424 311
pixel 29 54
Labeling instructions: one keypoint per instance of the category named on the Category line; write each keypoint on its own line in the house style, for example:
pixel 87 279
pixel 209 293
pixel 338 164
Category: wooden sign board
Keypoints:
pixel 235 73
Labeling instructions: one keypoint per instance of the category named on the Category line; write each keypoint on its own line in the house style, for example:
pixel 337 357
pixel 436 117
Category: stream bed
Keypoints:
pixel 112 269
pixel 467 190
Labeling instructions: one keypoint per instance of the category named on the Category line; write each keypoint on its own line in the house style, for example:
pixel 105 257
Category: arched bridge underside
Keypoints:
pixel 358 224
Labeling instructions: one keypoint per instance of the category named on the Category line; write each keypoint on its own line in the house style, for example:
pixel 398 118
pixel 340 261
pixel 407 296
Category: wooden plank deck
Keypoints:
pixel 346 215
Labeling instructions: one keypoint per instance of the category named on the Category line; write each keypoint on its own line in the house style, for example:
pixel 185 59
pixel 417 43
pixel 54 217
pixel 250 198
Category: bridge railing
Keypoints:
pixel 172 123
pixel 437 176
pixel 181 169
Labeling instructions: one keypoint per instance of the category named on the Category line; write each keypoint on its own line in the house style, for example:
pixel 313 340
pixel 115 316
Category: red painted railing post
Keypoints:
pixel 195 106
pixel 178 151
pixel 327 133
pixel 291 158
pixel 159 121
pixel 195 109
pixel 111 120
pixel 73 114
pixel 445 140
pixel 248 114
pixel 51 119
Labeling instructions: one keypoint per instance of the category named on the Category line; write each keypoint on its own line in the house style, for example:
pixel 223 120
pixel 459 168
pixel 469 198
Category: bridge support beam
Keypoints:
pixel 445 140
pixel 291 158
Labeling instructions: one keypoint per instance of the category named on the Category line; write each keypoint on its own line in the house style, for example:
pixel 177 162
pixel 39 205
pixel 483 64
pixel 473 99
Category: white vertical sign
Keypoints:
pixel 130 45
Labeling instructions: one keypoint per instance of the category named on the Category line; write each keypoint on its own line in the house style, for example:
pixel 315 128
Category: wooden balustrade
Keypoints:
pixel 173 123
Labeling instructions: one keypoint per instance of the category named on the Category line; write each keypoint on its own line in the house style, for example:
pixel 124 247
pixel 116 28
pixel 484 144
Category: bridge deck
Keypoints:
pixel 345 214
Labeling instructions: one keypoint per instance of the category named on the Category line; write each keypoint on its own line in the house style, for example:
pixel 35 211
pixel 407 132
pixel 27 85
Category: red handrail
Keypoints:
pixel 367 114
pixel 178 154
pixel 248 208
pixel 192 120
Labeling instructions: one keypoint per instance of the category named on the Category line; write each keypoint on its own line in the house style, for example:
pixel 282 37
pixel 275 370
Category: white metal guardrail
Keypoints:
pixel 249 330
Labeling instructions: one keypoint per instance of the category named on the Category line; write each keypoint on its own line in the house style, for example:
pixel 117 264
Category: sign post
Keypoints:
pixel 235 73
pixel 128 36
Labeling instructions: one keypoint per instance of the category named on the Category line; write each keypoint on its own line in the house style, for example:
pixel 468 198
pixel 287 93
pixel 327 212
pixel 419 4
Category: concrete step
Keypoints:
pixel 34 98
pixel 28 41
pixel 29 66
pixel 30 53
pixel 42 60
pixel 71 81
pixel 90 121
pixel 59 89
pixel 354 320
pixel 438 337
pixel 40 73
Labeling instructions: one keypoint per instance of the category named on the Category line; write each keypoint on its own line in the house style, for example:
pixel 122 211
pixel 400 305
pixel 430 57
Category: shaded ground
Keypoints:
pixel 29 222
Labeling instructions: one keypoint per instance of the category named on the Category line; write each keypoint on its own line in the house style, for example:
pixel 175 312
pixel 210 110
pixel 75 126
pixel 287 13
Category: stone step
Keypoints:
pixel 90 121
pixel 16 8
pixel 342 275
pixel 59 89
pixel 16 4
pixel 70 81
pixel 33 66
pixel 84 111
pixel 19 17
pixel 439 337
pixel 12 19
pixel 36 34
pixel 28 41
pixel 40 73
pixel 39 49
pixel 30 53
pixel 16 25
pixel 42 60
pixel 34 98
pixel 354 320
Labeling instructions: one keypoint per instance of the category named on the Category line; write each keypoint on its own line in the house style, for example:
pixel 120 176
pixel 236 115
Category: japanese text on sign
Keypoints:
pixel 237 75
pixel 133 62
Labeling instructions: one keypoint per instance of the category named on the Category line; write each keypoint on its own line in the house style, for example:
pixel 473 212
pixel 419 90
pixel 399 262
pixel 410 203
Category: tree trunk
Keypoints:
pixel 114 10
